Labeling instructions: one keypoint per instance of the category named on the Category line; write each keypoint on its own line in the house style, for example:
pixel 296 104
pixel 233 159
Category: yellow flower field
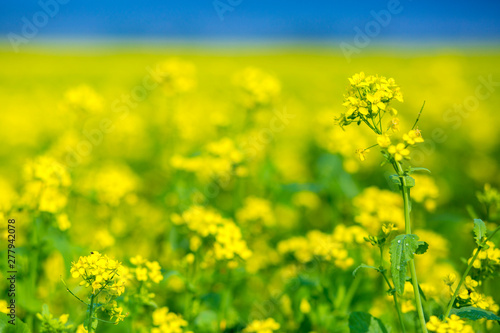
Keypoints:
pixel 178 189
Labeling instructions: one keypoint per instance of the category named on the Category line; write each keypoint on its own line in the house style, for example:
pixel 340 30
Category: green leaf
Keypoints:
pixel 363 266
pixel 412 170
pixel 206 321
pixel 472 313
pixel 362 322
pixel 422 248
pixel 402 249
pixel 479 231
pixel 6 327
pixel 409 181
pixel 395 179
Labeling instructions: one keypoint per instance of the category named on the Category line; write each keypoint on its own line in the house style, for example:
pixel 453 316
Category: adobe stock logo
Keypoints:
pixel 221 7
pixel 372 29
pixel 40 19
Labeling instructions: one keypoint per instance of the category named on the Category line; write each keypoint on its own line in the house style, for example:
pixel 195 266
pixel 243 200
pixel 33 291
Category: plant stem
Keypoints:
pixel 350 294
pixel 466 273
pixel 91 312
pixel 406 200
pixel 394 295
pixel 462 280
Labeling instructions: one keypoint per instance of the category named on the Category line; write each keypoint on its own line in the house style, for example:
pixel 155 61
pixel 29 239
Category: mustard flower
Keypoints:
pixel 262 326
pixel 99 272
pixel 167 322
pixel 362 153
pixel 383 141
pixel 413 136
pixel 398 151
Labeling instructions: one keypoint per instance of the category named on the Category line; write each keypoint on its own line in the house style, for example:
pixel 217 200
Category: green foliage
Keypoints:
pixel 413 170
pixel 49 324
pixel 402 249
pixel 19 327
pixel 479 231
pixel 422 248
pixel 363 266
pixel 409 181
pixel 472 313
pixel 362 322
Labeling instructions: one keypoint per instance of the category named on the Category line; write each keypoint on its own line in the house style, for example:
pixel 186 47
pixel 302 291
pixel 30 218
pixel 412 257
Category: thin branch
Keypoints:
pixel 72 292
pixel 418 117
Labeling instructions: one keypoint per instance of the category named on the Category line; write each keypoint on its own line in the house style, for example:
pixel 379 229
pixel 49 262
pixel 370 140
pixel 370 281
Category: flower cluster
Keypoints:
pixel 114 311
pixel 46 188
pixel 367 99
pixel 328 247
pixel 50 324
pixel 490 198
pixel 256 211
pixel 83 98
pixel 377 207
pixel 99 272
pixel 168 322
pixel 145 270
pixel 111 184
pixel 306 199
pixel 227 242
pixel 425 191
pixel 259 88
pixel 175 76
pixel 220 159
pixel 488 259
pixel 268 325
pixel 453 325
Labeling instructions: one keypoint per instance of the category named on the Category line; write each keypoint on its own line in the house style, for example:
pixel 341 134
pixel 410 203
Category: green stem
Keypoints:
pixel 462 280
pixel 394 295
pixel 350 294
pixel 466 273
pixel 413 271
pixel 91 312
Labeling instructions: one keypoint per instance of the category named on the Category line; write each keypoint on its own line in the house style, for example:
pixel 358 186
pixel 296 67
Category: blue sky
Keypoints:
pixel 253 19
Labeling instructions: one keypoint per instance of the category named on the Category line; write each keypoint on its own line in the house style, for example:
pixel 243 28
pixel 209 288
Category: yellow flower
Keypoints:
pixel 361 153
pixel 407 306
pixel 167 322
pixel 454 324
pixel 63 222
pixel 479 300
pixel 100 272
pixel 3 306
pixel 463 293
pixel 357 79
pixel 262 326
pixel 393 125
pixel 399 151
pixel 450 279
pixel 470 283
pixel 387 228
pixel 258 87
pixel 383 141
pixel 176 76
pixel 413 136
pixel 81 329
pixel 433 324
pixel 305 307
pixel 368 97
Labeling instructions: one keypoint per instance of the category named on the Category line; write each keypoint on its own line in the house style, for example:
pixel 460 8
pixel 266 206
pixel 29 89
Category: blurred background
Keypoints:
pixel 153 107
